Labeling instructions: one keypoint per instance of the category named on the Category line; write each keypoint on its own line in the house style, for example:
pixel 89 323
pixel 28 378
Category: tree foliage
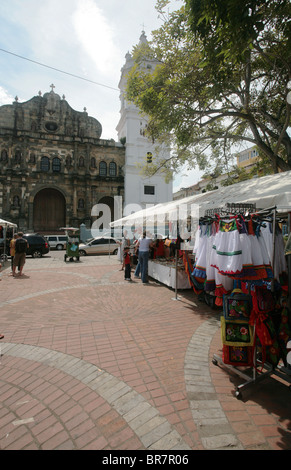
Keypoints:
pixel 220 78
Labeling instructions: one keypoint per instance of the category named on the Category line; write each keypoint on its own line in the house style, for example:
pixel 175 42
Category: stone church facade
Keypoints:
pixel 54 166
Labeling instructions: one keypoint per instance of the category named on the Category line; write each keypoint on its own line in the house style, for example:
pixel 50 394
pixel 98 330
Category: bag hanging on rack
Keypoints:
pixel 236 332
pixel 237 305
pixel 240 356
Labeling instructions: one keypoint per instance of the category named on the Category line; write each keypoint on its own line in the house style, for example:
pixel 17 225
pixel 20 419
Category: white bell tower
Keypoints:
pixel 139 191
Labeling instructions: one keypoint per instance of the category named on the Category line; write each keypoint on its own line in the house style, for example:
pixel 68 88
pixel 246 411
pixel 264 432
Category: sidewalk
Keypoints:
pixel 90 361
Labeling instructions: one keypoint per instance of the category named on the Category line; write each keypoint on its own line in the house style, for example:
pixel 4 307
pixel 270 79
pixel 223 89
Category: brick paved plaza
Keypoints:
pixel 90 361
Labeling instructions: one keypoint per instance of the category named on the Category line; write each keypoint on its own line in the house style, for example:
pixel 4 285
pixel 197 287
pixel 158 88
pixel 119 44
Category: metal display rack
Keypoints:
pixel 251 373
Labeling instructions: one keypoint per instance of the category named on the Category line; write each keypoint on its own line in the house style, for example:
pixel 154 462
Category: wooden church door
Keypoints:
pixel 49 211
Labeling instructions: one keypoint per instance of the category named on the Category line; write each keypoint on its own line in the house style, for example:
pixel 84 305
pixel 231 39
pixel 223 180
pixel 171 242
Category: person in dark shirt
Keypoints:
pixel 127 268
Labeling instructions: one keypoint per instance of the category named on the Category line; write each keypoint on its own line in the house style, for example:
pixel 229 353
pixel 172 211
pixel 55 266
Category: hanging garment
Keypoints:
pixel 257 255
pixel 200 262
pixel 228 259
pixel 279 265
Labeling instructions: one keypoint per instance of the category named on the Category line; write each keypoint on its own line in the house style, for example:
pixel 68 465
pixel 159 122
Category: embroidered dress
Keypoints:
pixel 264 251
pixel 257 256
pixel 200 263
pixel 247 262
pixel 210 283
pixel 228 248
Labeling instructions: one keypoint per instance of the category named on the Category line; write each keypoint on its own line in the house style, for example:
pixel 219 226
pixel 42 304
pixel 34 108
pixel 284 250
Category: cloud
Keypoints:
pixel 186 178
pixel 5 98
pixel 96 36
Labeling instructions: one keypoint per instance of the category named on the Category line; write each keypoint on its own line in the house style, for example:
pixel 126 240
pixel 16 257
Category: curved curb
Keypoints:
pixel 153 430
pixel 212 424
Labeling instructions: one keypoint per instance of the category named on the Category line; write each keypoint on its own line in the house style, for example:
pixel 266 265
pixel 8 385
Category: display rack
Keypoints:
pixel 253 377
pixel 256 370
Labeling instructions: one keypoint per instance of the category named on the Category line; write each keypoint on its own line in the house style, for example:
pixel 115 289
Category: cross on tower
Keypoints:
pixel 52 86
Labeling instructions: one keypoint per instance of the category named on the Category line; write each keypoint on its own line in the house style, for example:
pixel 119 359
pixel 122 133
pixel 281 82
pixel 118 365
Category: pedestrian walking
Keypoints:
pixel 12 249
pixel 21 246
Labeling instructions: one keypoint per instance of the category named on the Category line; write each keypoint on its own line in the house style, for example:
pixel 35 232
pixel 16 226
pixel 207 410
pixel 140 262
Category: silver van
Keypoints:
pixel 57 241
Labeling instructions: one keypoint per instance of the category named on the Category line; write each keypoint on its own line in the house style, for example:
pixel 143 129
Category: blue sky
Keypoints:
pixel 87 38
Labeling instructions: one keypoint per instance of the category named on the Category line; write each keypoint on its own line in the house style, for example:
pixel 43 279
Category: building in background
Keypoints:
pixel 139 190
pixel 245 161
pixel 54 166
pixel 247 158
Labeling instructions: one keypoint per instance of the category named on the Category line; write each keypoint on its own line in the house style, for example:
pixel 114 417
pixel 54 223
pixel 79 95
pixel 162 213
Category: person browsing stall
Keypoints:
pixel 144 244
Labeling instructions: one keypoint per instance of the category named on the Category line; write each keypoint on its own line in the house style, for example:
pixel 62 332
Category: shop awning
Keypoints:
pixel 265 192
pixel 6 223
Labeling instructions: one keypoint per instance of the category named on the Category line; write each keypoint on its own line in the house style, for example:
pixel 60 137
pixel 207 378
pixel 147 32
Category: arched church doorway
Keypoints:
pixel 49 211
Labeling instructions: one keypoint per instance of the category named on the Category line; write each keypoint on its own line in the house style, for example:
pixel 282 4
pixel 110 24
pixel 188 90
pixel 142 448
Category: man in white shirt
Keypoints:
pixel 144 244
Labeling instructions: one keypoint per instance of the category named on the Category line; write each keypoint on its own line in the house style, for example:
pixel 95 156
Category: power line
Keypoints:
pixel 58 70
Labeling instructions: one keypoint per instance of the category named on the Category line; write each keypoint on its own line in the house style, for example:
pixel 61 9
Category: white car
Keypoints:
pixel 57 241
pixel 99 245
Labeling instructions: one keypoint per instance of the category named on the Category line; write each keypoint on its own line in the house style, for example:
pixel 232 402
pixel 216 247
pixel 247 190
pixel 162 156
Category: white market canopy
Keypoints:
pixel 6 223
pixel 264 192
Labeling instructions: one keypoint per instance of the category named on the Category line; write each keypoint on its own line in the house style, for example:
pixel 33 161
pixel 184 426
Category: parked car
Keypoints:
pixel 57 241
pixel 38 245
pixel 99 245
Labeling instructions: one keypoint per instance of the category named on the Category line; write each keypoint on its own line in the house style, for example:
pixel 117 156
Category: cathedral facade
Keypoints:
pixel 54 166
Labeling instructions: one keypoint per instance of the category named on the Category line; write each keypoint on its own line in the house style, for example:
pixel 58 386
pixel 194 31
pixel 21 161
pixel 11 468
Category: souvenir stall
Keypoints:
pixel 237 259
pixel 249 251
pixel 163 266
pixel 4 250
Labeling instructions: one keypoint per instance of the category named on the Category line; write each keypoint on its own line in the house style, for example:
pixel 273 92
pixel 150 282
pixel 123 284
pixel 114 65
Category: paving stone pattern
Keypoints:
pixel 91 361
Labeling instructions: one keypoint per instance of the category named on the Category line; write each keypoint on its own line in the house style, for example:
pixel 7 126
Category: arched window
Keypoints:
pixel 45 164
pixel 93 162
pixel 112 169
pixel 81 162
pixel 56 165
pixel 102 168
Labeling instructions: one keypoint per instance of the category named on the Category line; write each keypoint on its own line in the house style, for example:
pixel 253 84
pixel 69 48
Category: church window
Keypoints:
pixel 149 190
pixel 112 169
pixel 102 169
pixel 81 162
pixel 51 126
pixel 56 165
pixel 45 164
pixel 4 156
pixel 93 162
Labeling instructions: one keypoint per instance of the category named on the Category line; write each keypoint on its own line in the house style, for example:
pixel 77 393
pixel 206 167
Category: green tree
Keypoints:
pixel 220 78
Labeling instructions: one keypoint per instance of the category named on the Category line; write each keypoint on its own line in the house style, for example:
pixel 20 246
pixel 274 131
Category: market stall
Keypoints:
pixel 4 251
pixel 236 257
pixel 168 273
